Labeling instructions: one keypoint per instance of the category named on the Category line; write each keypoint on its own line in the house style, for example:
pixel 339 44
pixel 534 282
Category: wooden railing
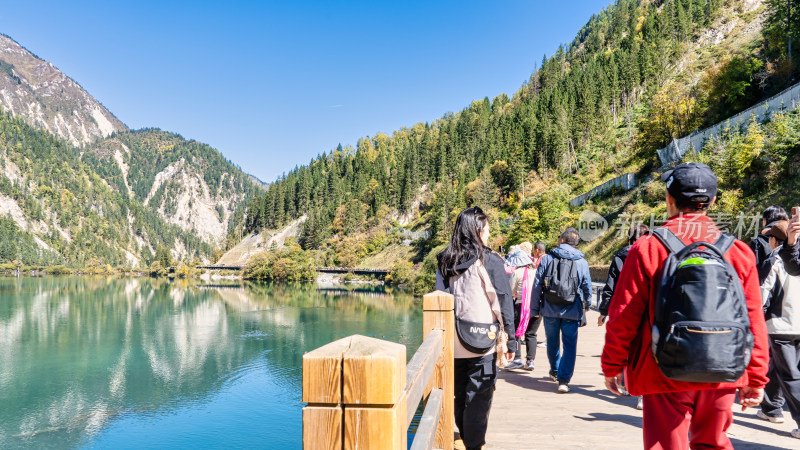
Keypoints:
pixel 361 394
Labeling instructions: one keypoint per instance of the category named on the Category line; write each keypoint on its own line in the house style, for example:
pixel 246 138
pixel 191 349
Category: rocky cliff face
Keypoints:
pixel 187 183
pixel 47 99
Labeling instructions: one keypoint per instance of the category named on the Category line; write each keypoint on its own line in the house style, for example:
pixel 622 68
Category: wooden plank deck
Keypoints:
pixel 527 412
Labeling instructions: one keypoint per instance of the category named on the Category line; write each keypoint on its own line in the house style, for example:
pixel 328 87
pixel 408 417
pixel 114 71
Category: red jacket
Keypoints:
pixel 628 333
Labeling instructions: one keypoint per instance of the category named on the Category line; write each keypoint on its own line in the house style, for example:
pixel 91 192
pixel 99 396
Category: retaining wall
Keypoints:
pixel 785 100
pixel 626 182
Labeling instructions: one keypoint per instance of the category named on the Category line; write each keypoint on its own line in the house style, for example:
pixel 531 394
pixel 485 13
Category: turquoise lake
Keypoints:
pixel 150 363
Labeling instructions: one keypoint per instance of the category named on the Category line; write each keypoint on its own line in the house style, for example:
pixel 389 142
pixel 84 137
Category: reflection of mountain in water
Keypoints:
pixel 78 352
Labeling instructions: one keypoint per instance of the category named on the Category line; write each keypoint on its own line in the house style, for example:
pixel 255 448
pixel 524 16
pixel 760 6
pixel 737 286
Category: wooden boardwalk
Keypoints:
pixel 527 412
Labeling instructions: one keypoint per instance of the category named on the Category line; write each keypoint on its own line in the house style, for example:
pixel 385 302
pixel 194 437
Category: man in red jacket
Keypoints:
pixel 674 410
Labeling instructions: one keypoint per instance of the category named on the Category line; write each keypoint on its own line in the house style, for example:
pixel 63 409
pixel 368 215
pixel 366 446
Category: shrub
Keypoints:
pixel 59 270
pixel 287 264
pixel 402 274
pixel 157 270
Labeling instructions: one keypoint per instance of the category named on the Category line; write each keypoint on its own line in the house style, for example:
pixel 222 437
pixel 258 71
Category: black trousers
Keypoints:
pixel 530 334
pixel 785 362
pixel 773 402
pixel 474 388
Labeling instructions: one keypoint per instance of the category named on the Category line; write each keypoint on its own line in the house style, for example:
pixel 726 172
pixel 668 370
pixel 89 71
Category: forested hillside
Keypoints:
pixel 58 210
pixel 187 183
pixel 117 203
pixel 637 74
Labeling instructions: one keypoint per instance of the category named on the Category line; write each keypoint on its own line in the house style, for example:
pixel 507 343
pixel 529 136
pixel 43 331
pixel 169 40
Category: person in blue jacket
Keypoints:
pixel 561 321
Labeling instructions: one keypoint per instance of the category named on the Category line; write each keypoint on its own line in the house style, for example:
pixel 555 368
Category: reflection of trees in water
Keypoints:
pixel 77 352
pixel 87 349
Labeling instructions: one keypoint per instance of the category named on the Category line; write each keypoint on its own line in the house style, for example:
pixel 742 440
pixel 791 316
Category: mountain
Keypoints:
pixel 257 181
pixel 77 187
pixel 56 209
pixel 47 99
pixel 637 74
pixel 577 117
pixel 187 183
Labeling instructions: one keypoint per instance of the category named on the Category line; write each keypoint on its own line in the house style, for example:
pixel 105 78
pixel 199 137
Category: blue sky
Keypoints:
pixel 273 84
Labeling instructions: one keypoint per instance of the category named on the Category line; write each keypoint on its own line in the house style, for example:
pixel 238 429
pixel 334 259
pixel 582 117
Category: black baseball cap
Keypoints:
pixel 693 182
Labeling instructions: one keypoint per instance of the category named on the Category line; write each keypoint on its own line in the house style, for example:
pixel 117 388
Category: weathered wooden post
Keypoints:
pixel 438 315
pixel 354 389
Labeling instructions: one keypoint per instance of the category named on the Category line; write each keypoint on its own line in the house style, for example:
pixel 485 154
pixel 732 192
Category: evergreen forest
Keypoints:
pixel 637 75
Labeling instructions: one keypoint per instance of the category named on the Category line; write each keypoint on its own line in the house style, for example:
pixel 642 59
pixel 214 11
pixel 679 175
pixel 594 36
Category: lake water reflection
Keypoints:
pixel 145 363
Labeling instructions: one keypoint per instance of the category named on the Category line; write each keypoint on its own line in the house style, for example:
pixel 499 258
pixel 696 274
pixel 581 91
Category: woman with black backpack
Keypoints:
pixel 476 277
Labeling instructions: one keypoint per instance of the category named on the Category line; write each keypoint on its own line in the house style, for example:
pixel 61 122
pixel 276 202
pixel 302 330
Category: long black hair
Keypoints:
pixel 466 241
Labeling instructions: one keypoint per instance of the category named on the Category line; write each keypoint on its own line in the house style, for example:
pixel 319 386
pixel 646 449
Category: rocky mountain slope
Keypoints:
pixel 187 183
pixel 255 243
pixel 48 99
pixel 78 187
pixel 55 208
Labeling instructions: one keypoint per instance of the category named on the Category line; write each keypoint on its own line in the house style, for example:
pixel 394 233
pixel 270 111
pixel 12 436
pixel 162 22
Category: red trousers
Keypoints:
pixel 705 415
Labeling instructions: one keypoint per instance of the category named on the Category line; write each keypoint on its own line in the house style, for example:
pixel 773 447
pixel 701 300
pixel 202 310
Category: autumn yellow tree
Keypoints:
pixel 674 113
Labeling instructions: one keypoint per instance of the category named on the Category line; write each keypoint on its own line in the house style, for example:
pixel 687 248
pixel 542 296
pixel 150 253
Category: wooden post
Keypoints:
pixel 438 315
pixel 374 381
pixel 354 388
pixel 322 390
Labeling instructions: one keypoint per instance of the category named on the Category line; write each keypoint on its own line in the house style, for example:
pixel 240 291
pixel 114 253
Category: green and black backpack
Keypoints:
pixel 701 329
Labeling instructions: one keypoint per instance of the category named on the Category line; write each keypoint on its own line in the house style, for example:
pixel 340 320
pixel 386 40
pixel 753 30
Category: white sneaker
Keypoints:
pixel 640 404
pixel 760 414
pixel 796 433
pixel 563 388
pixel 529 365
pixel 516 364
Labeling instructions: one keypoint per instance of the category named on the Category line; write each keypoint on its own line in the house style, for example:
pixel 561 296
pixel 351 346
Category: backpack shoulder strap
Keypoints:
pixel 491 293
pixel 724 242
pixel 668 238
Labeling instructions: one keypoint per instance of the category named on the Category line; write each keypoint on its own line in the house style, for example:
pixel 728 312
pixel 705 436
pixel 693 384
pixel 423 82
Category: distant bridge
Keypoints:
pixel 220 267
pixel 380 273
pixel 353 292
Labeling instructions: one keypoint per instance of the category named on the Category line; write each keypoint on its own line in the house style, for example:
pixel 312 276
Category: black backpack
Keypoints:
pixel 560 284
pixel 701 330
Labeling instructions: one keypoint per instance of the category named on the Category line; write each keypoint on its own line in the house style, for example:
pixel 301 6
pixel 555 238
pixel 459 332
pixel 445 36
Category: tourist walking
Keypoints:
pixel 562 295
pixel 686 324
pixel 522 279
pixel 760 245
pixel 539 250
pixel 765 258
pixel 635 232
pixel 781 294
pixel 790 251
pixel 483 307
